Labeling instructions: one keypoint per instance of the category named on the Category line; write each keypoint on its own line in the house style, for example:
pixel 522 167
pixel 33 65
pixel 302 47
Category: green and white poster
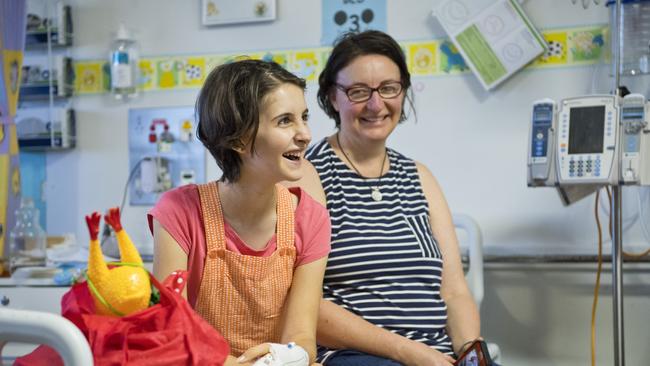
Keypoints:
pixel 495 38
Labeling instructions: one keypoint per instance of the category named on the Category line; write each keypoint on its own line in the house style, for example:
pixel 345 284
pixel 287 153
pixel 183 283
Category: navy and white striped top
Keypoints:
pixel 385 265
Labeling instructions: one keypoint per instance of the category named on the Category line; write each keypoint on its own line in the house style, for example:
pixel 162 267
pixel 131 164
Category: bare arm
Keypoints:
pixel 463 323
pixel 341 329
pixel 167 254
pixel 300 312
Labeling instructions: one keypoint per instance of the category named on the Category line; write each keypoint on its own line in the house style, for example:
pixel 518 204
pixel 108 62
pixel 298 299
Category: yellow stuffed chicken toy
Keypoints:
pixel 121 290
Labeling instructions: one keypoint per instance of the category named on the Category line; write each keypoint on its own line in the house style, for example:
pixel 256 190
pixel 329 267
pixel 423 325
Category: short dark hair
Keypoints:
pixel 350 46
pixel 228 108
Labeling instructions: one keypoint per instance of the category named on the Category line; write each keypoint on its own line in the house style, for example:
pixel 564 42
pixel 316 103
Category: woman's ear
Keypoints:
pixel 332 96
pixel 238 147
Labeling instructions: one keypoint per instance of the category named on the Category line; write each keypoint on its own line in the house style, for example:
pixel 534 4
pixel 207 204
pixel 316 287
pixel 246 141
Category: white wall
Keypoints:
pixel 473 141
pixel 540 314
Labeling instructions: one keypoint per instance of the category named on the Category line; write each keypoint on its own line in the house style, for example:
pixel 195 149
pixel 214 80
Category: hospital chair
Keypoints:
pixel 474 274
pixel 37 327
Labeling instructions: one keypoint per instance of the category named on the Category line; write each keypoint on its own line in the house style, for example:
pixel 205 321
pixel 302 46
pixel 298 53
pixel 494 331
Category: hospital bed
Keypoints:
pixel 37 327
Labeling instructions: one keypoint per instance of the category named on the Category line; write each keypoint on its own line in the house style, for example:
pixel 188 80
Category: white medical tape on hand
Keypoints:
pixel 284 355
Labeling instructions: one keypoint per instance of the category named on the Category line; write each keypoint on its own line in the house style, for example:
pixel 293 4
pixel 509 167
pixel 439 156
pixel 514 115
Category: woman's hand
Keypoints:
pixel 419 354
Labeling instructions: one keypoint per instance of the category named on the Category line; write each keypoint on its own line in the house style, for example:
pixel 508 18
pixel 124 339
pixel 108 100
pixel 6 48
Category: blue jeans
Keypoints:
pixel 355 358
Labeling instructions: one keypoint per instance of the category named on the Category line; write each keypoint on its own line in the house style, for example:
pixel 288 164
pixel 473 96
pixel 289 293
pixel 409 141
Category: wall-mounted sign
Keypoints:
pixel 341 16
pixel 218 12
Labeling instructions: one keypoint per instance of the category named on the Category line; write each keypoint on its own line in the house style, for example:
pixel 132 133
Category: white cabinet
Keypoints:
pixel 39 298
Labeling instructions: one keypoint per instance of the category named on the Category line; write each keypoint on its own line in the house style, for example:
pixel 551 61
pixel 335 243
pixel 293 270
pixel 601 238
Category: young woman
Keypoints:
pixel 255 251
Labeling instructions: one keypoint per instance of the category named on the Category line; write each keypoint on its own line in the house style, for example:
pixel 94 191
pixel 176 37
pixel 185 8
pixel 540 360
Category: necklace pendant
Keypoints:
pixel 376 194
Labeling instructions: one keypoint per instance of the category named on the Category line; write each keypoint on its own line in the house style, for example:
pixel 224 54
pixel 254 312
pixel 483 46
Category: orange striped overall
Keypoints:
pixel 242 296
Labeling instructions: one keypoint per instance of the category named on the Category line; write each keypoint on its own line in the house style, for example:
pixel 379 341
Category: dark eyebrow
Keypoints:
pixel 288 114
pixel 357 85
pixel 279 116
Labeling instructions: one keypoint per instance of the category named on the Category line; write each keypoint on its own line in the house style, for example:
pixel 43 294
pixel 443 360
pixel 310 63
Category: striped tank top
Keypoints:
pixel 385 264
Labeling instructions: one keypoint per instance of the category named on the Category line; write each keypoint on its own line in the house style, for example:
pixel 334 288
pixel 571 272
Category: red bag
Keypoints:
pixel 168 333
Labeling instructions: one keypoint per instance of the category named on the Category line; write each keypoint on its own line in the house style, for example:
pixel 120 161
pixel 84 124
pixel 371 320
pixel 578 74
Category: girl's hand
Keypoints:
pixel 254 353
pixel 275 354
pixel 232 361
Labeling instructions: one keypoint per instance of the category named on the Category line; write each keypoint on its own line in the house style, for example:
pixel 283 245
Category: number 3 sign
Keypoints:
pixel 341 16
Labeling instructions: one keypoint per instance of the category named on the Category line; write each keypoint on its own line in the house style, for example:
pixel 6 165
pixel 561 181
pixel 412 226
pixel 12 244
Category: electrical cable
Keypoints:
pixel 594 305
pixel 627 221
pixel 128 181
pixel 106 231
pixel 625 254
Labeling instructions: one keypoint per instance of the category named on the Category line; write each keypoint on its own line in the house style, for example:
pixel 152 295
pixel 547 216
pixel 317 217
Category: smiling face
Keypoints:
pixel 375 119
pixel 282 137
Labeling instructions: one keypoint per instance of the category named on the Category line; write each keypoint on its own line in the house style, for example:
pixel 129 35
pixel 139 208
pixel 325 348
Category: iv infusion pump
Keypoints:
pixel 542 142
pixel 635 140
pixel 590 140
pixel 587 140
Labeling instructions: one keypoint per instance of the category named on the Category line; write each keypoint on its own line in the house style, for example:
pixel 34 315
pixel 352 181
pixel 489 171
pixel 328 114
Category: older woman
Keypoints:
pixel 387 299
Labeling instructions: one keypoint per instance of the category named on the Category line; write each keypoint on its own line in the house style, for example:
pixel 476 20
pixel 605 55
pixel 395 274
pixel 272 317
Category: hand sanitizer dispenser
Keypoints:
pixel 123 60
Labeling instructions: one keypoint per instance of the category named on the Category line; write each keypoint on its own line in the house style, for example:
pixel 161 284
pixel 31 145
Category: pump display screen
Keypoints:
pixel 543 114
pixel 632 113
pixel 586 130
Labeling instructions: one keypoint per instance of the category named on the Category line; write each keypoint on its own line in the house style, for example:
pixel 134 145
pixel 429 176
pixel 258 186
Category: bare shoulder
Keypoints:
pixel 429 183
pixel 439 212
pixel 310 183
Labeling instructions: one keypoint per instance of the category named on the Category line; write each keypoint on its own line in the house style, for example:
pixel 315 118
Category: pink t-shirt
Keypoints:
pixel 179 212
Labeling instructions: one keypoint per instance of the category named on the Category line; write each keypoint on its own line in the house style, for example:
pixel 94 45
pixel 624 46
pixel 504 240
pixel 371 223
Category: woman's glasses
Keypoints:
pixel 358 93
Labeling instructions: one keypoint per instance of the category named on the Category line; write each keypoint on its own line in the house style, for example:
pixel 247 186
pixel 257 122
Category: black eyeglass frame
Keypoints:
pixel 346 90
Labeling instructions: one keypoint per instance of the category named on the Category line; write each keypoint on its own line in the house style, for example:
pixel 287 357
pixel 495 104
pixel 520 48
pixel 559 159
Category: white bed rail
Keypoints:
pixel 37 327
pixel 474 275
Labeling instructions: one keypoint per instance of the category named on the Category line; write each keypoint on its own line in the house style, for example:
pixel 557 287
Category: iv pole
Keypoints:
pixel 616 215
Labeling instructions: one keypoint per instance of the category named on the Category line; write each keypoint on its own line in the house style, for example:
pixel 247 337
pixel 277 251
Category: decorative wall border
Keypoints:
pixel 567 47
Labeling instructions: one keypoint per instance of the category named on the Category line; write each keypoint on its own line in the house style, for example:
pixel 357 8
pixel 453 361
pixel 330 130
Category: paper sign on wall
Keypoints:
pixel 495 38
pixel 341 16
pixel 219 12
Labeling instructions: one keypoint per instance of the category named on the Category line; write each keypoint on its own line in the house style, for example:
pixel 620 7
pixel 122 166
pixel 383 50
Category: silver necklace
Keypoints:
pixel 375 193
